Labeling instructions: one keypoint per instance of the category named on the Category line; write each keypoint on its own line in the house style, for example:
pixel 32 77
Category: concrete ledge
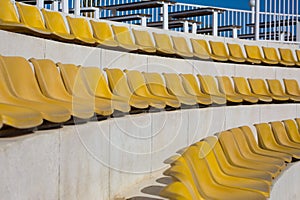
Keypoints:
pixel 104 160
pixel 13 44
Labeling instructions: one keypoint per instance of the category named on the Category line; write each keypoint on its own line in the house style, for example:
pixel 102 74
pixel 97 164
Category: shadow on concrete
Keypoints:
pixel 152 192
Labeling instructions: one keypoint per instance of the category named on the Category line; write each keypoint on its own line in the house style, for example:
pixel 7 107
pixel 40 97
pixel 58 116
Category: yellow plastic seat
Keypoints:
pixel 19 87
pixel 209 86
pixel 236 54
pixel 242 87
pixel 119 86
pixel 298 122
pixel 137 83
pixel 138 87
pixel 267 140
pixel 233 170
pixel 191 86
pixel 52 86
pixel 164 44
pixel 292 130
pixel 19 117
pixel 176 191
pixel 10 21
pixel 298 55
pixel 292 87
pixel 276 88
pixel 247 153
pixel 80 28
pixel 281 135
pixel 181 47
pixel 73 78
pixel 271 54
pixel 218 51
pixel 227 88
pixel 228 180
pixel 207 185
pixel 175 87
pixel 123 36
pixel 258 86
pixel 158 88
pixel 288 57
pixel 99 88
pixel 103 34
pixel 235 156
pixel 255 148
pixel 200 49
pixel 31 17
pixel 144 41
pixel 254 56
pixel 55 23
pixel 180 171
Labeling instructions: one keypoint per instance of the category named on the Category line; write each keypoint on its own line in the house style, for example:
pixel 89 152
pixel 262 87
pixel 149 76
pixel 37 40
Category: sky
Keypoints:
pixel 237 4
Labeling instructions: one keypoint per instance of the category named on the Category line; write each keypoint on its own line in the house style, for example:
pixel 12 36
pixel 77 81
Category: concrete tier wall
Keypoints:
pixel 104 160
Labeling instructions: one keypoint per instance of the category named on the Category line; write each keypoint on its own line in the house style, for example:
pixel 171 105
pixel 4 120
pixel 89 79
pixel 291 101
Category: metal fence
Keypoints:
pixel 278 19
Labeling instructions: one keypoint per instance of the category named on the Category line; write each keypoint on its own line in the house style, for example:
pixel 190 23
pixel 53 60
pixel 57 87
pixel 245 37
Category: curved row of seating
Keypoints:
pixel 49 24
pixel 58 93
pixel 232 165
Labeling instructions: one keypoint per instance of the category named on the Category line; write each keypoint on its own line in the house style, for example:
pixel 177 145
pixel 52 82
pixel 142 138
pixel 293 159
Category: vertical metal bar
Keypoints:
pixel 257 9
pixel 165 16
pixel 40 3
pixel 65 6
pixel 76 7
pixel 186 26
pixel 215 23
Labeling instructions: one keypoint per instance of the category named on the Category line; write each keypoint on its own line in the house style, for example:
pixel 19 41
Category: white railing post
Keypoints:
pixel 55 5
pixel 298 31
pixel 252 6
pixel 257 9
pixel 65 6
pixel 194 28
pixel 97 13
pixel 144 21
pixel 215 23
pixel 40 3
pixel 165 16
pixel 186 26
pixel 76 7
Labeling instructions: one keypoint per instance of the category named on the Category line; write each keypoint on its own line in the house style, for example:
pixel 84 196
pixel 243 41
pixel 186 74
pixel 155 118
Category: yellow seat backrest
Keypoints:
pixel 286 55
pixel 190 84
pixel 253 52
pixel 275 87
pixel 225 85
pixel 31 16
pixel 208 84
pixel 97 82
pixel 218 48
pixel 51 85
pixel 122 34
pixel 143 38
pixel 8 12
pixel 292 87
pixel 235 50
pixel 270 53
pixel 258 86
pixel 102 30
pixel 163 41
pixel 55 21
pixel 200 47
pixel 180 44
pixel 79 27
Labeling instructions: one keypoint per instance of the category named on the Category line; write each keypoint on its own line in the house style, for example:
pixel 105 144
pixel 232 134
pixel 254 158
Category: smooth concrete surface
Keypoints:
pixel 107 159
pixel 28 46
